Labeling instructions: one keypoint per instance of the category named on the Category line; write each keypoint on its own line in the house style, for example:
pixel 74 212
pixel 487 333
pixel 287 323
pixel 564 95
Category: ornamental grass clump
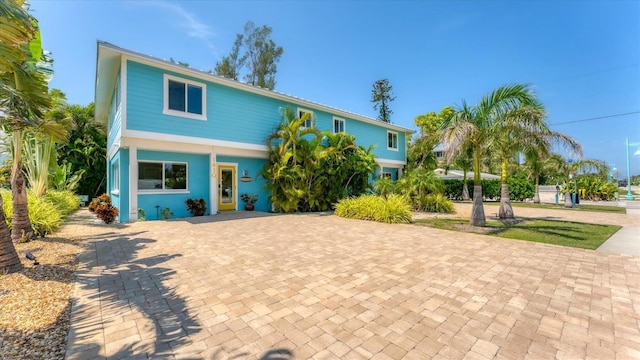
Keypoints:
pixel 435 203
pixel 64 200
pixel 44 215
pixel 392 209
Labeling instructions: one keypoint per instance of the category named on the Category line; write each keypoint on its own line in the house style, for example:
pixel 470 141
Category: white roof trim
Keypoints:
pixel 246 87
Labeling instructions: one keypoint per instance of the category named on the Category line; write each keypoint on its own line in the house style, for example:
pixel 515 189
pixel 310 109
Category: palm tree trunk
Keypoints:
pixel 465 191
pixel 9 260
pixel 20 225
pixel 505 211
pixel 477 210
pixel 465 188
pixel 536 197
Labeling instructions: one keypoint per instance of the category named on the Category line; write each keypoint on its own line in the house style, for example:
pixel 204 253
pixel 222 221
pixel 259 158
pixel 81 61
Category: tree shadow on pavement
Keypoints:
pixel 127 299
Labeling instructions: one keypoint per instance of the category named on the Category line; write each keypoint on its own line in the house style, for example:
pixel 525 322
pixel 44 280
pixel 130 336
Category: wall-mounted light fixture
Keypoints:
pixel 245 176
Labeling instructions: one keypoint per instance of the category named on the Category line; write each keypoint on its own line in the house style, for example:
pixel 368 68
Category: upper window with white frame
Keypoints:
pixel 162 176
pixel 185 98
pixel 338 125
pixel 392 140
pixel 308 122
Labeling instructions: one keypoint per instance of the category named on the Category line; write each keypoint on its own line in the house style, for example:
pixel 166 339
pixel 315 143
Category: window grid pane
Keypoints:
pixel 149 176
pixel 175 176
pixel 176 96
pixel 194 99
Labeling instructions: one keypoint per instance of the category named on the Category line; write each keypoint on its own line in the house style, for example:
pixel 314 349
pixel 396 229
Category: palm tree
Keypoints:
pixel 566 167
pixel 524 130
pixel 23 95
pixel 475 127
pixel 39 145
pixel 538 157
pixel 289 147
pixel 465 163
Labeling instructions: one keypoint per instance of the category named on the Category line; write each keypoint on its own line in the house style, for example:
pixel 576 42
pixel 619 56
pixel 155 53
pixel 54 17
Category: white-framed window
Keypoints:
pixel 185 98
pixel 439 154
pixel 115 177
pixel 162 176
pixel 338 125
pixel 392 140
pixel 309 120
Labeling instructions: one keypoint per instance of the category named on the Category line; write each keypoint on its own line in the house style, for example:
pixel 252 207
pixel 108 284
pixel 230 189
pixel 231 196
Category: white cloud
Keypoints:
pixel 195 28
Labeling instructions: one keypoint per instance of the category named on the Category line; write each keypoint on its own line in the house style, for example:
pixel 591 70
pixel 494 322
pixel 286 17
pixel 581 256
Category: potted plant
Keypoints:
pixel 249 200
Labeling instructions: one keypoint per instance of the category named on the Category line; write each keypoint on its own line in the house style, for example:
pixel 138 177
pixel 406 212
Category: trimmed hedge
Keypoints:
pixel 519 189
pixel 394 209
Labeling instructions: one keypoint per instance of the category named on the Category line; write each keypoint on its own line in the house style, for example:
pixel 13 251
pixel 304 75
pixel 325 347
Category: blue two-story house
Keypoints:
pixel 176 133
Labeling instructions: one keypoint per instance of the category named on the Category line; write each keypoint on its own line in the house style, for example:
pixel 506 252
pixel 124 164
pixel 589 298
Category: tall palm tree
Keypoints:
pixel 523 129
pixel 23 95
pixel 474 126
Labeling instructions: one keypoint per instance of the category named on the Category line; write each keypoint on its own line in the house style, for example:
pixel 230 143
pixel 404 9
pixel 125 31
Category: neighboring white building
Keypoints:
pixel 459 175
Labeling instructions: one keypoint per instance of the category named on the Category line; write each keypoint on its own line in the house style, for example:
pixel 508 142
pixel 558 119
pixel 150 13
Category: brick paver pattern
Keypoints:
pixel 318 286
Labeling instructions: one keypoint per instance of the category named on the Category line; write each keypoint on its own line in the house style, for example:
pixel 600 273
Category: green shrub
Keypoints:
pixel 393 209
pixel 521 189
pixel 433 203
pixel 45 217
pixel 64 200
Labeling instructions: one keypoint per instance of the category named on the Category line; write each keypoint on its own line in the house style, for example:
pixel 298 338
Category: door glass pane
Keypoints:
pixel 226 186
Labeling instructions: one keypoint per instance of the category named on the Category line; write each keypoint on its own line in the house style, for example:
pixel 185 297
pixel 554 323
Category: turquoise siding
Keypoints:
pixel 232 114
pixel 367 134
pixel 120 199
pixel 198 184
pixel 115 115
pixel 392 171
pixel 252 166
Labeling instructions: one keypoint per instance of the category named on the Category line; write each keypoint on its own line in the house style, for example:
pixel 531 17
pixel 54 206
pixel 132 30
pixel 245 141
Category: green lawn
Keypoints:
pixel 580 207
pixel 565 233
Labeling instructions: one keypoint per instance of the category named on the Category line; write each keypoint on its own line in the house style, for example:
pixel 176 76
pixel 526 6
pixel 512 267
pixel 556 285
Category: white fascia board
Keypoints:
pixel 113 149
pixel 390 163
pixel 169 142
pixel 166 65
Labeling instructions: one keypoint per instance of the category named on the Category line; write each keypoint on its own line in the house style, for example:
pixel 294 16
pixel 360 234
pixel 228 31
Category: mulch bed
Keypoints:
pixel 35 302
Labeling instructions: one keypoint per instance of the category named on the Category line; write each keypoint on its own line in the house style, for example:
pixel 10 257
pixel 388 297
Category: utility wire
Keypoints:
pixel 576 76
pixel 597 118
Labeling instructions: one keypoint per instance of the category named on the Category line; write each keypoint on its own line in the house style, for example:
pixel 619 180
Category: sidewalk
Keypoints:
pixel 625 241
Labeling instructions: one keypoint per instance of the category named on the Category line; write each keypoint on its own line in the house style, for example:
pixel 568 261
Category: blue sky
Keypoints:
pixel 582 57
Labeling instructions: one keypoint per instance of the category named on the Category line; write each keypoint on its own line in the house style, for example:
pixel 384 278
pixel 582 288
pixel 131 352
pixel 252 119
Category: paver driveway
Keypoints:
pixel 318 286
